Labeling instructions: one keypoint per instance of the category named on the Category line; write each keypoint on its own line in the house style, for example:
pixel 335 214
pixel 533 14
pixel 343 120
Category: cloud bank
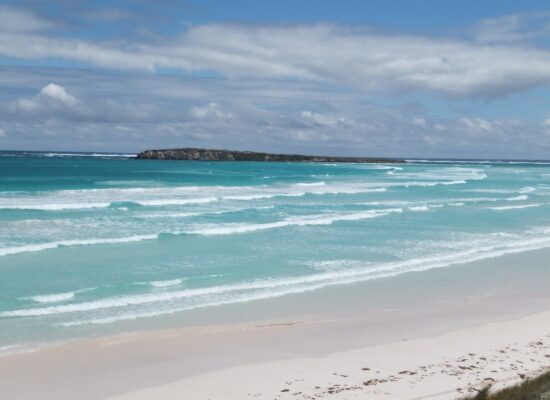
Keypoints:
pixel 314 88
pixel 358 58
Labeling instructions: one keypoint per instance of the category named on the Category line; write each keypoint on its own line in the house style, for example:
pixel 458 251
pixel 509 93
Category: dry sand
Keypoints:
pixel 448 366
pixel 240 362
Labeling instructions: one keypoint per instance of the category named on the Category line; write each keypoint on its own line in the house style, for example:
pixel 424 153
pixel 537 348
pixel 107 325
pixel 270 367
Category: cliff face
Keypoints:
pixel 228 155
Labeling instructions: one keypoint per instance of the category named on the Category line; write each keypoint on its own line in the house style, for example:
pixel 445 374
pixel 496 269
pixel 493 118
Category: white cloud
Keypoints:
pixel 326 120
pixel 546 122
pixel 357 58
pixel 27 105
pixel 477 125
pixel 3 133
pixel 211 110
pixel 50 97
pixel 59 93
pixel 143 111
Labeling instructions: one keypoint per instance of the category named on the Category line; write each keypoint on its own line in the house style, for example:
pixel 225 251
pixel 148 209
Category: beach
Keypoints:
pixel 144 279
pixel 448 366
pixel 233 200
pixel 469 337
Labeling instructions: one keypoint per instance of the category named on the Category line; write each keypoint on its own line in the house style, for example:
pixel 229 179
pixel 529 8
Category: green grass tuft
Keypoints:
pixel 531 389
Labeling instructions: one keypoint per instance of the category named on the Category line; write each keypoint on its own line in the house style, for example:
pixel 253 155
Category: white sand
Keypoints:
pixel 442 367
pixel 241 362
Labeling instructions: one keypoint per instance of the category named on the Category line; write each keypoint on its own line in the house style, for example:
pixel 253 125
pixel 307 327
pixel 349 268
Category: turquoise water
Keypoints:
pixel 89 242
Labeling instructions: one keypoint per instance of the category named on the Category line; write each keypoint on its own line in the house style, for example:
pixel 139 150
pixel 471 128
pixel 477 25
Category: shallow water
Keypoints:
pixel 91 241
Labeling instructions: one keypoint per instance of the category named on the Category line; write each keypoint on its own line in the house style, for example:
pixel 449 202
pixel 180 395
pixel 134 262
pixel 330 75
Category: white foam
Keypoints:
pixel 56 297
pixel 249 197
pixel 504 208
pixel 84 242
pixel 419 208
pixel 172 196
pixel 430 184
pixel 171 215
pixel 181 195
pixel 315 189
pixel 53 298
pixel 310 184
pixel 176 202
pixel 329 265
pixel 220 229
pixel 327 219
pixel 148 298
pixel 431 203
pixel 168 283
pixel 164 214
pixel 11 348
pixel 376 166
pixel 480 162
pixel 103 155
pixel 187 195
pixel 263 289
pixel 518 198
pixel 15 205
pixel 527 189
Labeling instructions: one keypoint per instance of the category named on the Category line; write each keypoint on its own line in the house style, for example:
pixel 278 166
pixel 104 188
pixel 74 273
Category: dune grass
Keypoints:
pixel 531 389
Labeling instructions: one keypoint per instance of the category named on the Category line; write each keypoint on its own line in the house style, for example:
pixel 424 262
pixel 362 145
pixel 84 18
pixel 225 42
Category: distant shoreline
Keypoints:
pixel 411 160
pixel 194 154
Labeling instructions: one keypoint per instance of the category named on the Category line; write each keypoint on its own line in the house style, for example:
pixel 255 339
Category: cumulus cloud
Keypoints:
pixel 58 93
pixel 3 133
pixel 51 96
pixel 55 102
pixel 355 57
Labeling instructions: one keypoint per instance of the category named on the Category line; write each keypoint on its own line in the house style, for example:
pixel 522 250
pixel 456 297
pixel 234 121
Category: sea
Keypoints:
pixel 89 242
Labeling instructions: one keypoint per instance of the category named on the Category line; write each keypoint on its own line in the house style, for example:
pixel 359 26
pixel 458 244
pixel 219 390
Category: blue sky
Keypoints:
pixel 389 78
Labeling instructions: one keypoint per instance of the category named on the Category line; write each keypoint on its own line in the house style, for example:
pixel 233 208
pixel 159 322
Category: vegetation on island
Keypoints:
pixel 192 154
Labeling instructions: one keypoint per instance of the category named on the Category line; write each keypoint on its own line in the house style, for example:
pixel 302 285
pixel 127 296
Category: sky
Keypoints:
pixel 424 78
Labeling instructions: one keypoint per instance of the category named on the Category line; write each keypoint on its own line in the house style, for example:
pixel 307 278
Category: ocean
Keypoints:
pixel 89 242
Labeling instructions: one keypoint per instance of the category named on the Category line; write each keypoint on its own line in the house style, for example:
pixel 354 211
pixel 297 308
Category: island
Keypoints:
pixel 193 154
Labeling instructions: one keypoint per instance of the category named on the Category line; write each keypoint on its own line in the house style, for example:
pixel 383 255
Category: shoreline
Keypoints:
pixel 496 355
pixel 338 326
pixel 172 364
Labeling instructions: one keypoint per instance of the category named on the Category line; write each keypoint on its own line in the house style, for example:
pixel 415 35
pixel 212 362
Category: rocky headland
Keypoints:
pixel 192 154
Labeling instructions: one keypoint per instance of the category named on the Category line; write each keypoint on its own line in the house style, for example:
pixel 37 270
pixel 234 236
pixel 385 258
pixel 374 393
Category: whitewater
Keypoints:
pixel 89 242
